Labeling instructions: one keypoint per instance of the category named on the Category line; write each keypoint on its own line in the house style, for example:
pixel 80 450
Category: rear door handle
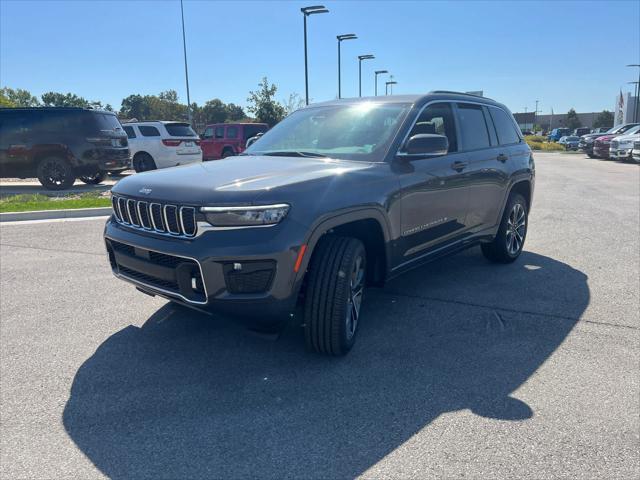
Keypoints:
pixel 502 158
pixel 459 166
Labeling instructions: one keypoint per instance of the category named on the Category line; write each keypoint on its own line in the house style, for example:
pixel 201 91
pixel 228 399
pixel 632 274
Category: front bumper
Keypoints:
pixel 635 154
pixel 202 271
pixel 620 153
pixel 601 150
pixel 586 147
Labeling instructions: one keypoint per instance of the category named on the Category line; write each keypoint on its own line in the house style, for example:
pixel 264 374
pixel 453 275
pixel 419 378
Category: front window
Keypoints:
pixel 361 131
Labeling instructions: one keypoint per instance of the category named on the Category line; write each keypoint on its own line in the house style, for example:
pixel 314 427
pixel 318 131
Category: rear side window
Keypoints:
pixel 130 132
pixel 106 121
pixel 253 130
pixel 473 127
pixel 505 127
pixel 180 130
pixel 219 132
pixel 437 119
pixel 232 132
pixel 147 131
pixel 17 123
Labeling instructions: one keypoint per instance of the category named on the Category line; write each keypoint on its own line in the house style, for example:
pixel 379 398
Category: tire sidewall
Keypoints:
pixel 67 181
pixel 346 342
pixel 517 198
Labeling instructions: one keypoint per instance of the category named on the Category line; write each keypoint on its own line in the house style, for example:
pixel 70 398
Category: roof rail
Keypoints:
pixel 460 93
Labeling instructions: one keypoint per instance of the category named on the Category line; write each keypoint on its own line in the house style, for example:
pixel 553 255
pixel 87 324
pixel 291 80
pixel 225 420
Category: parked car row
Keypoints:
pixel 616 143
pixel 60 145
pixel 558 133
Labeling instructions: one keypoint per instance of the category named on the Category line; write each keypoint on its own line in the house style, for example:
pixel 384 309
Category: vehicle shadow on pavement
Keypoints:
pixel 191 396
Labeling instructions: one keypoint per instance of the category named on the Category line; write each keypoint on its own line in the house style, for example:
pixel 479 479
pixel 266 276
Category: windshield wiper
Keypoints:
pixel 293 153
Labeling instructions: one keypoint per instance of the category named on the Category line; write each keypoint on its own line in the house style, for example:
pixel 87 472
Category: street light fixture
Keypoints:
pixel 346 36
pixel 637 92
pixel 360 58
pixel 378 72
pixel 306 11
pixel 386 86
pixel 186 71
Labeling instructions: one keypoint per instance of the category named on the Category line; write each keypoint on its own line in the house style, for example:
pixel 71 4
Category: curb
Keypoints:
pixel 54 214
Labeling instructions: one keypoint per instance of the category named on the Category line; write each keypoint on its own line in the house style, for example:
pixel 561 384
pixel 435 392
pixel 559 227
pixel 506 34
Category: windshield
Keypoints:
pixel 361 131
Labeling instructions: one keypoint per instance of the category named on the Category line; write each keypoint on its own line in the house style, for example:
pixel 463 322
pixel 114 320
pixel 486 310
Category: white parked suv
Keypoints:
pixel 622 146
pixel 162 144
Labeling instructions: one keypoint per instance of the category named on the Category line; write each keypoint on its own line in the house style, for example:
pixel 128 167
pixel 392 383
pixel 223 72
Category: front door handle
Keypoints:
pixel 502 158
pixel 459 166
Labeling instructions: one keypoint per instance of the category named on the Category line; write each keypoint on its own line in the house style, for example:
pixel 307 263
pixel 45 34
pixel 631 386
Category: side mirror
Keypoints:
pixel 426 144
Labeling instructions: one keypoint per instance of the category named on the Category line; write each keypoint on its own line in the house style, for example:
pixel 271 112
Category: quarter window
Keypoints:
pixel 147 131
pixel 473 127
pixel 437 119
pixel 505 127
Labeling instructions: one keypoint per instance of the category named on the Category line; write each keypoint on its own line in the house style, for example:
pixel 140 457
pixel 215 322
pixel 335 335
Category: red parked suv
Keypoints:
pixel 222 140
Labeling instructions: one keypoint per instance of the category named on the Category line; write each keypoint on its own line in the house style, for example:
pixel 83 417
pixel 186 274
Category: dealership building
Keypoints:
pixel 623 112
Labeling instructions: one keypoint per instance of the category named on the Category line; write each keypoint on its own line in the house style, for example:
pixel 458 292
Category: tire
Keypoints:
pixel 591 155
pixel 143 162
pixel 94 179
pixel 333 299
pixel 227 152
pixel 55 173
pixel 508 242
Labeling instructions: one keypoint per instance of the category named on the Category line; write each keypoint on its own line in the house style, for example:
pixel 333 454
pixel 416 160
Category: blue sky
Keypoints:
pixel 565 54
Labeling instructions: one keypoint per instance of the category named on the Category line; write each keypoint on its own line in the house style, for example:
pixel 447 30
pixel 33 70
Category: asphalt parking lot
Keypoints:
pixel 462 368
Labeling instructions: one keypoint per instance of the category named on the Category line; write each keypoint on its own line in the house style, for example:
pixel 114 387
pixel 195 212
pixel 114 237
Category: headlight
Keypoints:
pixel 245 216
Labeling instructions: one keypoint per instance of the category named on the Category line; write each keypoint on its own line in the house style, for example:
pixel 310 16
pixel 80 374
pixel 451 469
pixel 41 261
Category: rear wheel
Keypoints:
pixel 508 242
pixel 227 153
pixel 334 295
pixel 143 162
pixel 55 173
pixel 94 179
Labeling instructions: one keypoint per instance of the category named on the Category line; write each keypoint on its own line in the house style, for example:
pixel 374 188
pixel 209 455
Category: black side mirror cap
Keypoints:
pixel 426 145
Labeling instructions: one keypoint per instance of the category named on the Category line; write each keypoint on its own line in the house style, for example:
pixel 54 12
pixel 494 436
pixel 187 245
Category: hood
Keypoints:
pixel 628 138
pixel 232 180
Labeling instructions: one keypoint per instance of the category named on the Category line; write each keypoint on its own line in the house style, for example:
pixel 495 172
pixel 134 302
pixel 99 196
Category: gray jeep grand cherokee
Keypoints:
pixel 337 197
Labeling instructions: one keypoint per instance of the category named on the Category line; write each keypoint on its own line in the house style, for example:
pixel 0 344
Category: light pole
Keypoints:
pixel 535 117
pixel 186 71
pixel 378 72
pixel 637 104
pixel 525 118
pixel 346 36
pixel 360 58
pixel 386 86
pixel 306 11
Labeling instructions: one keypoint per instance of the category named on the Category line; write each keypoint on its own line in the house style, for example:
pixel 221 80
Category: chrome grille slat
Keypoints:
pixel 164 219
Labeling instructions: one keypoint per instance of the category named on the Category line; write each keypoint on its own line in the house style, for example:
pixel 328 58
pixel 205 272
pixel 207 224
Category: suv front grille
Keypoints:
pixel 614 144
pixel 636 145
pixel 169 219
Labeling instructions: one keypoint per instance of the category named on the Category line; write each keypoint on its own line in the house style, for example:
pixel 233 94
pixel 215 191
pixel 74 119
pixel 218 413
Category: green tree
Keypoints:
pixel 234 112
pixel 164 106
pixel 17 98
pixel 263 106
pixel 604 119
pixel 214 111
pixel 573 121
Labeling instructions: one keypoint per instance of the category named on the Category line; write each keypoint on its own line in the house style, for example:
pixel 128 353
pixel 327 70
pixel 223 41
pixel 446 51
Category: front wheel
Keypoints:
pixel 508 242
pixel 335 290
pixel 94 179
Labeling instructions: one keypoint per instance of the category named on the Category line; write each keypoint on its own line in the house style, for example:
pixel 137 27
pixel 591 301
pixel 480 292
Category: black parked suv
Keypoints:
pixel 337 197
pixel 58 145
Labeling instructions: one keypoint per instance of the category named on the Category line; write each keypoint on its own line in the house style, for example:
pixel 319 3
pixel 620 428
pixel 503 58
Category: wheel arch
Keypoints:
pixel 369 225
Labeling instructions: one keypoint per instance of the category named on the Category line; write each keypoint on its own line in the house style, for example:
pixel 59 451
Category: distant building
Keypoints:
pixel 557 120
